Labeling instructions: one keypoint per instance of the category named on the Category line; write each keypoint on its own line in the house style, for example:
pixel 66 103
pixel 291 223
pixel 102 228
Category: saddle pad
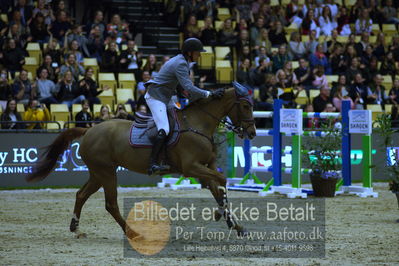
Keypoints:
pixel 141 136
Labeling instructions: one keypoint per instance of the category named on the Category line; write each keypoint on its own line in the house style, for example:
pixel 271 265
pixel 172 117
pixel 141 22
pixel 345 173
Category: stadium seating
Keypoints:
pixel 91 62
pixel 123 95
pixel 31 65
pixel 389 29
pixel 207 59
pixel 60 112
pixel 223 13
pixel 107 79
pixel 126 80
pixel 107 97
pixel 34 51
pixel 224 71
pixel 221 52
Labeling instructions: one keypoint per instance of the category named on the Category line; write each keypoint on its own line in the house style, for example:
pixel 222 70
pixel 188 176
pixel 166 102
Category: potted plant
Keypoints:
pixel 383 127
pixel 323 157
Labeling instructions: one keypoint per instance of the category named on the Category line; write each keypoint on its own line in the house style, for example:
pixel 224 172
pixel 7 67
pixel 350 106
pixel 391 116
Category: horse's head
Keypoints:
pixel 241 114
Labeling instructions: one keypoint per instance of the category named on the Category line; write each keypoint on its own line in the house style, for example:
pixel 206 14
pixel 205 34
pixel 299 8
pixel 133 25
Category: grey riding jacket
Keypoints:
pixel 173 72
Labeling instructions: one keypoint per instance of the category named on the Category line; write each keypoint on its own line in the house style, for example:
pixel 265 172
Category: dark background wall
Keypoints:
pixel 19 151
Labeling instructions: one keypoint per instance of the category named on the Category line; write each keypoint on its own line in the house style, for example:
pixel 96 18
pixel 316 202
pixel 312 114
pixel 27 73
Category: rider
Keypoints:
pixel 163 87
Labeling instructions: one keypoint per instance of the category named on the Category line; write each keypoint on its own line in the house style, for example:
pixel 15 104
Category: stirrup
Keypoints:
pixel 156 169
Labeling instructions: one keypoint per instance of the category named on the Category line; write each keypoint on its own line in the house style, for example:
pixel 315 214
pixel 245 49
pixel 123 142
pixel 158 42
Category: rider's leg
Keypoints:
pixel 159 113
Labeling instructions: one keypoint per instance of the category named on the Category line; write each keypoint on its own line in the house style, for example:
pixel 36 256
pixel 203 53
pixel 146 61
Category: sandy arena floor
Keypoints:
pixel 35 231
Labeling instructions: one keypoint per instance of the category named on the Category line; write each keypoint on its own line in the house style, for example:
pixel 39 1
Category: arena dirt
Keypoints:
pixel 34 231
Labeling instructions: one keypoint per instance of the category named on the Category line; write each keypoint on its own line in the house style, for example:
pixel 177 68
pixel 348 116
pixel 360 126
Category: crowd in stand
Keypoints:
pixel 61 77
pixel 270 62
pixel 256 33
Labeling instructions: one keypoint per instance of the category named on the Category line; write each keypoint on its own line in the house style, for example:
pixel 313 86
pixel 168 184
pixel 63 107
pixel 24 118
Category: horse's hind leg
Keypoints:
pixel 91 186
pixel 111 205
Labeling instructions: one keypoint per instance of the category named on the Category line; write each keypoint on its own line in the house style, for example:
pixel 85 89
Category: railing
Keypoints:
pixel 41 130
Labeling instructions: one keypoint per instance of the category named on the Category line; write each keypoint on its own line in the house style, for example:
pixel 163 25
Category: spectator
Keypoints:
pixel 327 22
pixel 256 29
pixel 10 116
pixel 376 92
pixel 130 60
pixel 45 88
pixel 95 43
pixel 257 75
pixel 118 31
pixel 333 8
pixel 356 10
pixel 255 7
pixel 243 25
pixel 277 34
pixel 36 112
pixel 342 84
pixel 266 12
pixel 53 50
pixel 263 55
pixel 243 72
pixel 61 7
pixel 196 7
pixel 343 22
pixel 104 115
pixel 358 92
pixel 13 57
pixel 98 21
pixel 263 40
pixel 69 91
pixel 310 122
pixel 45 10
pixel 38 29
pixel 332 42
pixel 245 53
pixel 90 88
pixel 208 32
pixel 371 70
pixel 151 63
pixel 319 80
pixel 312 43
pixel 304 75
pixel 5 89
pixel 320 102
pixel 364 23
pixel 73 48
pixel 52 68
pixel 141 90
pixel 320 58
pixel 75 35
pixel 389 13
pixel 394 47
pixel 84 117
pixel 380 47
pixel 388 66
pixel 280 58
pixel 361 46
pixel 341 94
pixel 227 35
pixel 243 40
pixel 60 26
pixel 72 66
pixel 310 23
pixel 23 89
pixel 25 10
pixel 337 60
pixel 353 70
pixel 366 57
pixel 243 11
pixel 121 113
pixel 20 34
pixel 192 30
pixel 266 93
pixel 109 59
pixel 296 48
pixel 278 15
pixel 394 92
pixel 294 13
pixel 285 89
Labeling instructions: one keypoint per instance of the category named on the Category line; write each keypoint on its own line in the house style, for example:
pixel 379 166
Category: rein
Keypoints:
pixel 227 124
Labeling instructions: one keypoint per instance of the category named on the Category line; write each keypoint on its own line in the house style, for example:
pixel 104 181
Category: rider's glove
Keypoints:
pixel 217 94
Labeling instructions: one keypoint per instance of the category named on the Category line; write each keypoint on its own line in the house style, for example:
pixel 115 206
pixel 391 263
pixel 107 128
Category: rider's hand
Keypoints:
pixel 217 94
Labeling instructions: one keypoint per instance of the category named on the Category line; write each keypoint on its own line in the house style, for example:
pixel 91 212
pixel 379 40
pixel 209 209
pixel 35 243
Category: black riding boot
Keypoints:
pixel 155 168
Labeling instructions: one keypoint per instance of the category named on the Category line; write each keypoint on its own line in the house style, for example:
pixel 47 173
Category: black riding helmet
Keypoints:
pixel 192 45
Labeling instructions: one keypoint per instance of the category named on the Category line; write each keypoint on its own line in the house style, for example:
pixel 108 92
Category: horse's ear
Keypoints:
pixel 240 89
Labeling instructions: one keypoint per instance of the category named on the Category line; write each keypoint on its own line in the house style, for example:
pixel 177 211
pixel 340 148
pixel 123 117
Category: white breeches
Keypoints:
pixel 159 113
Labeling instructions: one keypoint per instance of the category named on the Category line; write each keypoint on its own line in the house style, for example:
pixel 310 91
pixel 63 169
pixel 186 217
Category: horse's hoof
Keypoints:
pixel 81 235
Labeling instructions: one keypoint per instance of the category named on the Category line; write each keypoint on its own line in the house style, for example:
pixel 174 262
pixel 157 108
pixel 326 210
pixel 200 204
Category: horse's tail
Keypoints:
pixel 52 152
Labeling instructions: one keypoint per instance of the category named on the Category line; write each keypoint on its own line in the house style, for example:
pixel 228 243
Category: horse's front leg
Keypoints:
pixel 216 183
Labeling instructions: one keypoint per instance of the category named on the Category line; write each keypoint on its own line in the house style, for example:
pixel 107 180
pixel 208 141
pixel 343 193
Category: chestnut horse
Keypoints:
pixel 105 146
